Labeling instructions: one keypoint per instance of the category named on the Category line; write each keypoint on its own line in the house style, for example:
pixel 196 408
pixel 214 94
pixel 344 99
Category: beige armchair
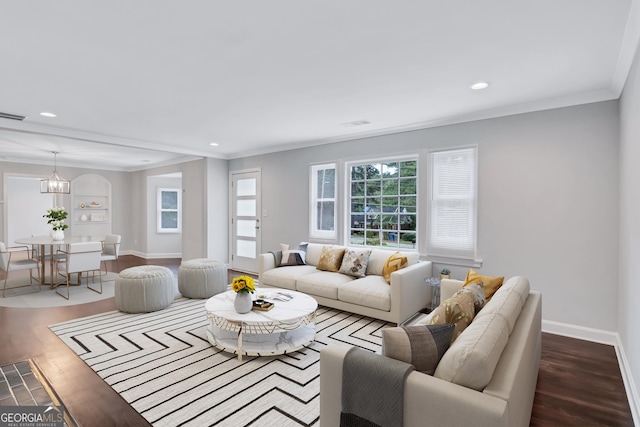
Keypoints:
pixel 79 258
pixel 16 258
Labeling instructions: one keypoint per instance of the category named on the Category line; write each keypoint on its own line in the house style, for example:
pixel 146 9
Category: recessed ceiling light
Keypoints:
pixel 214 144
pixel 479 85
pixel 47 114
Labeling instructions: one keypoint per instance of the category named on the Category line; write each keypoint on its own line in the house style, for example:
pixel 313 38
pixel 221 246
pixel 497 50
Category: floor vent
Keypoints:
pixel 11 116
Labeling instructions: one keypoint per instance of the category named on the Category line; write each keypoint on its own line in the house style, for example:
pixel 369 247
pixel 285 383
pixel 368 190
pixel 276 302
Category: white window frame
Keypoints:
pixel 347 198
pixel 160 210
pixel 315 198
pixel 455 250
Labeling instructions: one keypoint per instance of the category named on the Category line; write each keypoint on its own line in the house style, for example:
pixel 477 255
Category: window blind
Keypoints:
pixel 453 203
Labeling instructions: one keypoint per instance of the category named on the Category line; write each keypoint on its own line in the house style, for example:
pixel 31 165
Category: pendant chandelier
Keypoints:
pixel 55 184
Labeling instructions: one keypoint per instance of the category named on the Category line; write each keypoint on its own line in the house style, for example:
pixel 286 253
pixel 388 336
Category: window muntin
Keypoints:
pixel 383 203
pixel 323 202
pixel 169 210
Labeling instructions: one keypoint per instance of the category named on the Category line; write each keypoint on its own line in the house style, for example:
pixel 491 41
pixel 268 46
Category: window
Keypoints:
pixel 453 203
pixel 169 210
pixel 323 202
pixel 383 203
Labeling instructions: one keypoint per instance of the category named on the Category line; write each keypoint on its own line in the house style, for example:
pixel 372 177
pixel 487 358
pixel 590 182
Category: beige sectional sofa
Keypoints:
pixel 487 377
pixel 369 296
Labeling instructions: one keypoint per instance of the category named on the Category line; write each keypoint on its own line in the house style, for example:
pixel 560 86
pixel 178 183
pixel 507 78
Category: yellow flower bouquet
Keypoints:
pixel 243 284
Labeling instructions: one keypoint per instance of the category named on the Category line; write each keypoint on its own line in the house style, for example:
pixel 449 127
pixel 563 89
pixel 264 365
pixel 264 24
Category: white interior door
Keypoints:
pixel 245 221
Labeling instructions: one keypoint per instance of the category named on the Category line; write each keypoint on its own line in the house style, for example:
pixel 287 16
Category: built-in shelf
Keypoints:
pixel 87 189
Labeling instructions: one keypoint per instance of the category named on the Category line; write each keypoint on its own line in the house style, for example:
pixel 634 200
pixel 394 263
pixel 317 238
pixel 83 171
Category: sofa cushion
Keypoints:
pixel 457 310
pixel 519 285
pixel 314 251
pixel 331 258
pixel 285 277
pixel 322 283
pixel 507 301
pixel 395 262
pixel 472 358
pixel 369 291
pixel 379 258
pixel 491 283
pixel 422 345
pixel 354 262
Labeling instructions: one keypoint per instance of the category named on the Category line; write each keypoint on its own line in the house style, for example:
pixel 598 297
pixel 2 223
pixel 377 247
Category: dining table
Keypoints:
pixel 43 241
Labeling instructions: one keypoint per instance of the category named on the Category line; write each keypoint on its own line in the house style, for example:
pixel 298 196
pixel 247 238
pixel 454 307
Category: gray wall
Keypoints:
pixel 194 205
pixel 165 245
pixel 629 289
pixel 547 183
pixel 217 209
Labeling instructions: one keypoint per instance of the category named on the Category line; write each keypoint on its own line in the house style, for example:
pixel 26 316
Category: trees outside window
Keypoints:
pixel 383 201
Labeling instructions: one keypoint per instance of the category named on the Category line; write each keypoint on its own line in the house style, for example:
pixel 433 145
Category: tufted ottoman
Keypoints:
pixel 144 289
pixel 202 278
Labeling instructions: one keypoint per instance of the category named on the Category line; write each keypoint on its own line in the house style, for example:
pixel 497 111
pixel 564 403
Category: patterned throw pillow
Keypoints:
pixel 330 259
pixel 457 310
pixel 354 263
pixel 479 298
pixel 491 283
pixel 395 262
pixel 292 257
pixel 420 345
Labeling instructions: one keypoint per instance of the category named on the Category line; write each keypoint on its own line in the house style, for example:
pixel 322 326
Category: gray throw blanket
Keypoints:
pixel 372 389
pixel 277 257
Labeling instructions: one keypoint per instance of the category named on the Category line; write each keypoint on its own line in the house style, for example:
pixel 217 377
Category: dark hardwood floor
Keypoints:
pixel 579 383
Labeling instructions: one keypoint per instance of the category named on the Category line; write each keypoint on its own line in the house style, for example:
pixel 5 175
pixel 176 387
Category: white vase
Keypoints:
pixel 243 302
pixel 57 234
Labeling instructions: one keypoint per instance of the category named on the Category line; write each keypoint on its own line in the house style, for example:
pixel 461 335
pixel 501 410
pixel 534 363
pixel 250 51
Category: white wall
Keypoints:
pixel 629 267
pixel 548 204
pixel 25 207
pixel 120 187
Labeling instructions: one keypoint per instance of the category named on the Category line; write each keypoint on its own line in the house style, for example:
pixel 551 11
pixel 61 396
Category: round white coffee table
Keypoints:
pixel 287 327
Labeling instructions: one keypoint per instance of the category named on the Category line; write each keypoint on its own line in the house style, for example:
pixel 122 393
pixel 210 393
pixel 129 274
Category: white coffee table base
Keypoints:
pixel 260 344
pixel 288 327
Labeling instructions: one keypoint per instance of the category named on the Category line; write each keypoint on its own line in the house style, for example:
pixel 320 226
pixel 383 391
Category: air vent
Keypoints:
pixel 11 116
pixel 356 123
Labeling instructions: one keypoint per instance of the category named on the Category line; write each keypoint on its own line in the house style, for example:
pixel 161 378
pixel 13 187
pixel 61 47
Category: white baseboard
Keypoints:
pixel 151 256
pixel 603 337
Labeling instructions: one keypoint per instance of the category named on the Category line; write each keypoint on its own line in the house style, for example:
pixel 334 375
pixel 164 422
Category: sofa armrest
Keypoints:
pixel 428 401
pixel 409 292
pixel 265 262
pixel 448 287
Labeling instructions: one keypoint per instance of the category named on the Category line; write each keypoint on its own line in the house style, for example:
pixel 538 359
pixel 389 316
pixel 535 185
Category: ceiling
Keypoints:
pixel 153 82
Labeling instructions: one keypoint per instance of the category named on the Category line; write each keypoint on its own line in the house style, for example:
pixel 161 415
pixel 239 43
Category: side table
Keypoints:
pixel 434 283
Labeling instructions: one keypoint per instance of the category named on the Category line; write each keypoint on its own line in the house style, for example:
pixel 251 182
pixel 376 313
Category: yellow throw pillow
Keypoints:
pixel 330 259
pixel 395 262
pixel 491 283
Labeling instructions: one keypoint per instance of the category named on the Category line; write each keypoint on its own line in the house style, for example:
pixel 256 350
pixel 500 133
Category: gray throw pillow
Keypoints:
pixel 420 345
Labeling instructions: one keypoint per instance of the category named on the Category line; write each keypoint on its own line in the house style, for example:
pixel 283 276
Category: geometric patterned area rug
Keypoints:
pixel 162 364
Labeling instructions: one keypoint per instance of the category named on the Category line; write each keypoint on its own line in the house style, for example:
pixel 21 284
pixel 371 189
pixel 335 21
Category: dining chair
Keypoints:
pixel 79 258
pixel 110 250
pixel 23 262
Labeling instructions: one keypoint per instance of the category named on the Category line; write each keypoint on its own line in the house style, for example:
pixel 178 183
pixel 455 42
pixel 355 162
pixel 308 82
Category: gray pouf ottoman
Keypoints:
pixel 202 278
pixel 144 289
